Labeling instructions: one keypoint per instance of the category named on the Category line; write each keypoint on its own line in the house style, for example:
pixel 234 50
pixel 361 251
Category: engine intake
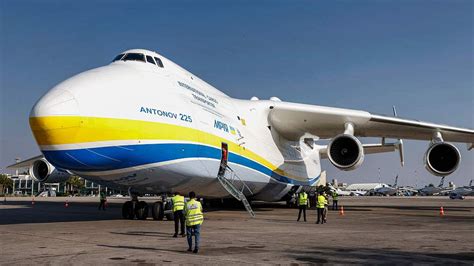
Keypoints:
pixel 46 172
pixel 345 152
pixel 442 159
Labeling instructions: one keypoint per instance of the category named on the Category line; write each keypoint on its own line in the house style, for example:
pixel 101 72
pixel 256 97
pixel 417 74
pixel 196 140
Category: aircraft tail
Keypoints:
pixel 396 182
pixel 441 183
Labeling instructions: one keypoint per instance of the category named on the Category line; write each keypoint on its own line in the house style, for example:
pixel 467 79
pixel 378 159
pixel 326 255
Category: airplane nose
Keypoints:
pixel 54 118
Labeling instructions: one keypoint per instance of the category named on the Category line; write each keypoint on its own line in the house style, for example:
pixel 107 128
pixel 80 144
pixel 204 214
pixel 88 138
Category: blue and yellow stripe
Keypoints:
pixel 185 143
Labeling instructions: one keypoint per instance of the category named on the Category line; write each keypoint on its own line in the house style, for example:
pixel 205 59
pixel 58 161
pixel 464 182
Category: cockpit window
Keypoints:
pixel 134 57
pixel 149 59
pixel 158 62
pixel 118 57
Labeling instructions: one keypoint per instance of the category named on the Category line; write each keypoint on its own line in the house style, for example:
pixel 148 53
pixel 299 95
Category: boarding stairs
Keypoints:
pixel 236 187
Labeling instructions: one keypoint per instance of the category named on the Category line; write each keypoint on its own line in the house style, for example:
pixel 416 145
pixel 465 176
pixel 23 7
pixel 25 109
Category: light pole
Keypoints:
pixel 416 179
pixel 380 180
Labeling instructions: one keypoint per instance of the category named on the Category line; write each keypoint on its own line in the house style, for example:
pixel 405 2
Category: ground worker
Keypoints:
pixel 178 207
pixel 335 198
pixel 302 203
pixel 321 200
pixel 194 219
pixel 103 199
pixel 326 203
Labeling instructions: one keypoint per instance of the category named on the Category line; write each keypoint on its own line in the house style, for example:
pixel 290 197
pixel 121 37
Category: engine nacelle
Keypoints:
pixel 345 152
pixel 47 173
pixel 442 159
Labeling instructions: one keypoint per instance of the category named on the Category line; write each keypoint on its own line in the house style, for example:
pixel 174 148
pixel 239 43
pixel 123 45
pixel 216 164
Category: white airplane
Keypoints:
pixel 434 191
pixel 144 123
pixel 395 190
pixel 388 190
pixel 462 191
pixel 341 192
pixel 407 191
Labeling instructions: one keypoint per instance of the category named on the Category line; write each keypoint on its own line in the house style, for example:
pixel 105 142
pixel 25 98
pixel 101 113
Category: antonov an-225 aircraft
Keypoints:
pixel 145 124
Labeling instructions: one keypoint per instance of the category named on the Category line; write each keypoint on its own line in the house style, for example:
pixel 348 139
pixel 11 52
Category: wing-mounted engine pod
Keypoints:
pixel 442 159
pixel 345 152
pixel 47 173
pixel 41 169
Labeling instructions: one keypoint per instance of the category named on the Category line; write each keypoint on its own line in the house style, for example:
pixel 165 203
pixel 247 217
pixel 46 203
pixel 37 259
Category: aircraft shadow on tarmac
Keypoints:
pixel 19 212
pixel 207 251
pixel 143 233
pixel 143 248
pixel 329 255
pixel 377 256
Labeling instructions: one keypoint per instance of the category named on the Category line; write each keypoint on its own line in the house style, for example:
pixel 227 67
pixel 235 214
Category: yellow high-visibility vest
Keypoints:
pixel 303 199
pixel 321 202
pixel 193 212
pixel 178 203
pixel 335 196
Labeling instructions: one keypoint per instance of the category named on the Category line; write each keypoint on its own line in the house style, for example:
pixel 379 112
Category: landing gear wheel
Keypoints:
pixel 157 211
pixel 169 214
pixel 127 210
pixel 141 210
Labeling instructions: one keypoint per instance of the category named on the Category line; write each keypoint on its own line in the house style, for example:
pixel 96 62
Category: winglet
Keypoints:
pixel 470 146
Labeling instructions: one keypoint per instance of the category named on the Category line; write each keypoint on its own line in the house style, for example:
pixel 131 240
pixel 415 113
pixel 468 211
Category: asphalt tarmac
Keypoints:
pixel 373 230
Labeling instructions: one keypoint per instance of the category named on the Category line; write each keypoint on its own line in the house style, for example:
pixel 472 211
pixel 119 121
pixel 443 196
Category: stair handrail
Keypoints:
pixel 236 177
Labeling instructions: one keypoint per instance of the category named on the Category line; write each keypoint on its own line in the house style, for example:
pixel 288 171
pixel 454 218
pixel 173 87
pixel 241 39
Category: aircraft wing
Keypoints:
pixel 26 163
pixel 293 120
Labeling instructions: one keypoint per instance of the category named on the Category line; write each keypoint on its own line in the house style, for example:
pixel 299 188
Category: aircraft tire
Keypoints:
pixel 141 210
pixel 127 210
pixel 169 216
pixel 157 211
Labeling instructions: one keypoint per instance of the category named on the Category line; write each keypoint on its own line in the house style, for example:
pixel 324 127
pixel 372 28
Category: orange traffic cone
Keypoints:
pixel 66 204
pixel 33 201
pixel 441 211
pixel 341 211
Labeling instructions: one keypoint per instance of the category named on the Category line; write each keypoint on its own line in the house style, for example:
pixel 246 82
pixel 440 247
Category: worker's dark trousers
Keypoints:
pixel 102 205
pixel 320 215
pixel 302 208
pixel 178 218
pixel 334 205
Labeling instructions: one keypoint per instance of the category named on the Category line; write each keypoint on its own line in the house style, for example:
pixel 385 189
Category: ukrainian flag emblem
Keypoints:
pixel 232 130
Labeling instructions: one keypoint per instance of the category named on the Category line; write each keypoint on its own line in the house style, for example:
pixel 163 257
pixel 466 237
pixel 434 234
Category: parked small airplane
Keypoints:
pixel 431 190
pixel 342 192
pixel 462 191
pixel 388 190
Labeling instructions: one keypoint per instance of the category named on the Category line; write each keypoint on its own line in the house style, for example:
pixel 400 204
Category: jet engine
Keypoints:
pixel 47 173
pixel 345 152
pixel 442 159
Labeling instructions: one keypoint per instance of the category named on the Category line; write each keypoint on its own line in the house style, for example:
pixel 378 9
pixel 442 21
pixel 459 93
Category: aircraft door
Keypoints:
pixel 224 159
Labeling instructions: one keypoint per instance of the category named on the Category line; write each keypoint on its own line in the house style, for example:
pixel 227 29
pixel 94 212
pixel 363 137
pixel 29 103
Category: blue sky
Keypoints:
pixel 370 55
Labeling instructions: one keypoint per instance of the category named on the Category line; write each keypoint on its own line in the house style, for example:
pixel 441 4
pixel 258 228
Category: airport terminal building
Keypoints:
pixel 27 185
